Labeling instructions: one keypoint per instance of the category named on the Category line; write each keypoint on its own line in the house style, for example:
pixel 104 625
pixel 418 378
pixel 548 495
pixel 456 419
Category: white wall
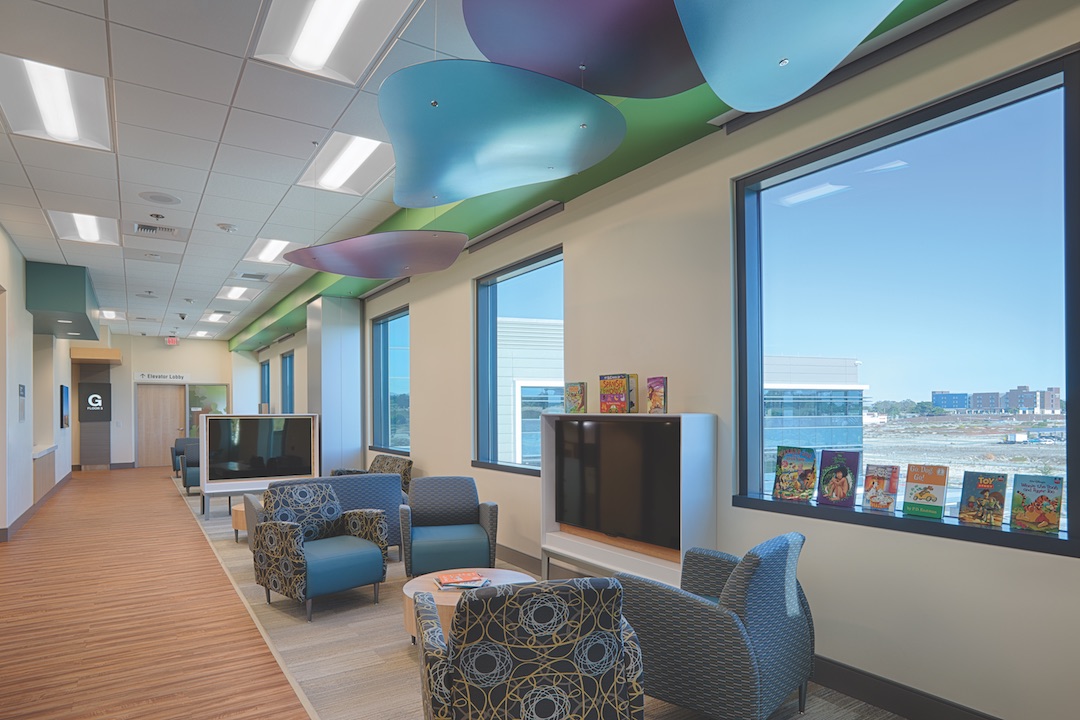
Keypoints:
pixel 989 628
pixel 298 345
pixel 245 383
pixel 16 368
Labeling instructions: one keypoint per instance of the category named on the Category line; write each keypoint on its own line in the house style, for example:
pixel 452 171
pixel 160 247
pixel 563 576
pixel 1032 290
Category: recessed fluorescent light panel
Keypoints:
pixel 266 250
pixel 215 318
pixel 235 292
pixel 49 102
pixel 85 228
pixel 335 39
pixel 818 191
pixel 112 315
pixel 349 164
pixel 202 334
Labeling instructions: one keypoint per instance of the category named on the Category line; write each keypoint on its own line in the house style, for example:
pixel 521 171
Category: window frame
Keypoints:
pixel 264 382
pixel 748 297
pixel 380 385
pixel 485 371
pixel 288 382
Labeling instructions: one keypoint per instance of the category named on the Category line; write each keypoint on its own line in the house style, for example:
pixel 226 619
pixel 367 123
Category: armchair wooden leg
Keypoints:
pixel 802 698
pixel 267 596
pixel 308 604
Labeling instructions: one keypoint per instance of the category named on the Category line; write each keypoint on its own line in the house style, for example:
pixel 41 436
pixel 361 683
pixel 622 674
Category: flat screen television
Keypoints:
pixel 619 477
pixel 240 447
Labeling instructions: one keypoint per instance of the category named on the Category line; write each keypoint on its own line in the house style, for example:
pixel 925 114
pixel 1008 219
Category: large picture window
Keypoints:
pixel 390 381
pixel 519 359
pixel 903 303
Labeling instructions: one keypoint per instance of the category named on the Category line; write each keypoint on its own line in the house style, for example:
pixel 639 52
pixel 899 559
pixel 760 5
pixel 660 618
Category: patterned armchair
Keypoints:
pixel 308 547
pixel 555 648
pixel 446 526
pixel 385 464
pixel 735 640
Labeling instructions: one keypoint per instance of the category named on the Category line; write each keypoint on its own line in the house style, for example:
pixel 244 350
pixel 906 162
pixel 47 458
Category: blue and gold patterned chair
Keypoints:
pixel 549 649
pixel 735 640
pixel 445 526
pixel 308 547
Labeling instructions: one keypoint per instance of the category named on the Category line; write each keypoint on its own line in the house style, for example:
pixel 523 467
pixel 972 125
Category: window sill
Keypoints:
pixel 516 469
pixel 1058 544
pixel 389 451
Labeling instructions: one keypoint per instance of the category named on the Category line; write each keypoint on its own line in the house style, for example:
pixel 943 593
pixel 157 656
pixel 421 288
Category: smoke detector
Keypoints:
pixel 227 227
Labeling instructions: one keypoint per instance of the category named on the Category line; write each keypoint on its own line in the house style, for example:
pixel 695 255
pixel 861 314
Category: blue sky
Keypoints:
pixel 940 266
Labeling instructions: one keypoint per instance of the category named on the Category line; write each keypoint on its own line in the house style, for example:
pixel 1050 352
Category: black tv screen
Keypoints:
pixel 619 477
pixel 257 446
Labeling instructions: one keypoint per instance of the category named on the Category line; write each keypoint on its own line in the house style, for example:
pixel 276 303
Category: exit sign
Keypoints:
pixel 172 340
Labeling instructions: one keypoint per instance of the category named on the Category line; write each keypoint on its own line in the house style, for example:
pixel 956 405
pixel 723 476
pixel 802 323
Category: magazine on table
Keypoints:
pixel 460 581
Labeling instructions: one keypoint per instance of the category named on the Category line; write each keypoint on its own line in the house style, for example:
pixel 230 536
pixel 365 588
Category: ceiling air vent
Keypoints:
pixel 261 277
pixel 154 230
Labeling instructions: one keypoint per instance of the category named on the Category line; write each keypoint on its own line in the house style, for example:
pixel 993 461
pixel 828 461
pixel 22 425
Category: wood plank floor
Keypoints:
pixel 113 605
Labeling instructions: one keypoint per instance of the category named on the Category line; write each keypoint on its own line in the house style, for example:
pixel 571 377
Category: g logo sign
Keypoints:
pixel 94 400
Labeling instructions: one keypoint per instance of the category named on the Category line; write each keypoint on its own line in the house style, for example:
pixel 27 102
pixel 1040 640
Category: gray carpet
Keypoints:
pixel 355 661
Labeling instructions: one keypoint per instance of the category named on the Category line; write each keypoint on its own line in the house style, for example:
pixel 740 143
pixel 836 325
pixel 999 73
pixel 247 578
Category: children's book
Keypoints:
pixel 880 483
pixel 982 500
pixel 838 477
pixel 657 394
pixel 462 580
pixel 1036 503
pixel 924 494
pixel 795 477
pixel 618 393
pixel 575 398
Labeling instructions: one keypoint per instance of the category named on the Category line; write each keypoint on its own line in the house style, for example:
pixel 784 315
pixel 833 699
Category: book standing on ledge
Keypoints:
pixel 880 484
pixel 982 499
pixel 1036 503
pixel 795 477
pixel 618 393
pixel 657 394
pixel 575 399
pixel 924 494
pixel 839 473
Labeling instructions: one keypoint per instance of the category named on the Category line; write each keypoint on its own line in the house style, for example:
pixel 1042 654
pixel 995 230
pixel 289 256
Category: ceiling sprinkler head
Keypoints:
pixel 157 216
pixel 227 227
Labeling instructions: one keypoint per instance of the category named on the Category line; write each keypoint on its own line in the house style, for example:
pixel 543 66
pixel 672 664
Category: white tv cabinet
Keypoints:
pixel 697 439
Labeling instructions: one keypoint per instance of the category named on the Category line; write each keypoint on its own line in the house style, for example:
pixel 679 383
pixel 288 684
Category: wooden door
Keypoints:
pixel 160 418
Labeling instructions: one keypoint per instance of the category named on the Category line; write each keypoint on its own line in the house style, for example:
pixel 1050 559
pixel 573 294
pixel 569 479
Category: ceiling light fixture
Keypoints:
pixel 53 97
pixel 235 293
pixel 108 314
pixel 321 32
pixel 351 158
pixel 201 333
pixel 87 227
pixel 74 333
pixel 215 317
pixel 273 249
pixel 65 322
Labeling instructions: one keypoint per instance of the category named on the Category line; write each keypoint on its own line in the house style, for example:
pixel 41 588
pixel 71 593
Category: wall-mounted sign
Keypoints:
pixel 160 377
pixel 95 402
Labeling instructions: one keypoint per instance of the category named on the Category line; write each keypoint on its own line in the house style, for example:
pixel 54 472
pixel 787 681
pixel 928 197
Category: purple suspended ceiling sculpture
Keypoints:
pixel 399 253
pixel 629 48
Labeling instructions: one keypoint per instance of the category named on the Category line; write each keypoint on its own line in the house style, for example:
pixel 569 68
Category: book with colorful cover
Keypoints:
pixel 838 477
pixel 924 494
pixel 880 484
pixel 795 476
pixel 657 394
pixel 460 580
pixel 1036 502
pixel 618 393
pixel 575 399
pixel 982 499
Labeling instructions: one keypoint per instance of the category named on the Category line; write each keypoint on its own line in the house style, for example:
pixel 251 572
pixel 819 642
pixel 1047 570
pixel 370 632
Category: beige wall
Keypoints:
pixel 939 615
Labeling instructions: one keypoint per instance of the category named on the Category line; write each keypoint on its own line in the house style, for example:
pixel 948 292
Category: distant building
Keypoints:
pixel 1022 400
pixel 986 402
pixel 813 402
pixel 1050 400
pixel 950 400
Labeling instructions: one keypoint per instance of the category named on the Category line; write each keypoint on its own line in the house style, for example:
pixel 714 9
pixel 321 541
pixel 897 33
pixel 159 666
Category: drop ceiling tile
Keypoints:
pixel 453 37
pixel 12 174
pixel 269 270
pixel 169 112
pixel 21 213
pixel 86 7
pixel 165 147
pixel 362 118
pixel 154 245
pixel 68 158
pixel 323 201
pixel 372 209
pixel 31 230
pixel 89 255
pixel 288 233
pixel 139 212
pixel 54 36
pixel 146 269
pixel 383 192
pixel 233 21
pixel 231 208
pixel 79 204
pixel 401 55
pixel 272 134
pixel 14 195
pixel 244 228
pixel 238 161
pixel 45 255
pixel 241 188
pixel 57 181
pixel 151 256
pixel 7 152
pixel 162 176
pixel 275 91
pixel 158 62
pixel 318 222
pixel 189 201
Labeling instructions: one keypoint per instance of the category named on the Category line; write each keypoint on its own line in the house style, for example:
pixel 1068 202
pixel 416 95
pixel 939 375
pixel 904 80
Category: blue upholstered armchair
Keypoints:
pixel 446 526
pixel 736 640
pixel 308 547
pixel 385 464
pixel 189 465
pixel 555 648
pixel 177 452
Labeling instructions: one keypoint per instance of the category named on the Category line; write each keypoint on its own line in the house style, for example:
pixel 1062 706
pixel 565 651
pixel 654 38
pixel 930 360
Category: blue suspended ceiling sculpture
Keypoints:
pixel 760 54
pixel 462 128
pixel 629 48
pixel 400 253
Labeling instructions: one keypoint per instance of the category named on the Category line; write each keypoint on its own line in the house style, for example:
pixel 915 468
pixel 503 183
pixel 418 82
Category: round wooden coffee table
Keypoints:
pixel 446 600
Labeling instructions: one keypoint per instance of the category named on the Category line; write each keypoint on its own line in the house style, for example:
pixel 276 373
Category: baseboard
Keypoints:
pixel 9 532
pixel 519 559
pixel 122 466
pixel 888 695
